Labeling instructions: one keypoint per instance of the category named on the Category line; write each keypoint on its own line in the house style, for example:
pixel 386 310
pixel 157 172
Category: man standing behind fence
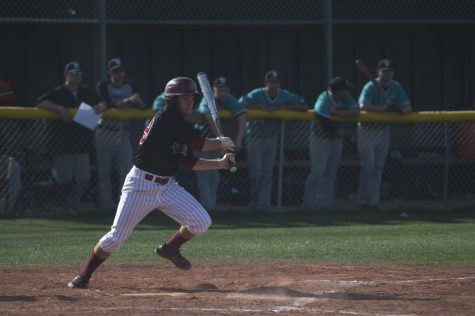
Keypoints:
pixel 208 180
pixel 113 142
pixel 380 95
pixel 326 143
pixel 263 135
pixel 71 143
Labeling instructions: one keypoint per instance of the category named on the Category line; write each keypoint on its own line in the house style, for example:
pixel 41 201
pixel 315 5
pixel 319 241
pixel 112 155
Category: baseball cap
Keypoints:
pixel 72 66
pixel 338 84
pixel 220 82
pixel 271 76
pixel 385 63
pixel 115 64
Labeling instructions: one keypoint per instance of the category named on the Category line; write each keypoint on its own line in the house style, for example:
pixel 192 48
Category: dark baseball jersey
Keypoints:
pixel 167 142
pixel 70 137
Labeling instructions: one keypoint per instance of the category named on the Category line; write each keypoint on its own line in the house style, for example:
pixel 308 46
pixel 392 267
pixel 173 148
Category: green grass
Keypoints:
pixel 425 238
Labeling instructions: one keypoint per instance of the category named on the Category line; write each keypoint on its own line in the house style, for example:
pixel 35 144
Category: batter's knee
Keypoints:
pixel 111 242
pixel 202 226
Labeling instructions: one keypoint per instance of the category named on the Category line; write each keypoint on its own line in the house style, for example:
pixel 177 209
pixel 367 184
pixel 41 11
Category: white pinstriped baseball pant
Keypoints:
pixel 140 197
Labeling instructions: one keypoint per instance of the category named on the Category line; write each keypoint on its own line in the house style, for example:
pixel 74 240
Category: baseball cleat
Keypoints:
pixel 174 256
pixel 80 281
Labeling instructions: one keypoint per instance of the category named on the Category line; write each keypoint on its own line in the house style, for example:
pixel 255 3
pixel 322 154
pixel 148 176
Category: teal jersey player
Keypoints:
pixel 231 104
pixel 323 107
pixel 260 96
pixel 381 95
pixel 159 103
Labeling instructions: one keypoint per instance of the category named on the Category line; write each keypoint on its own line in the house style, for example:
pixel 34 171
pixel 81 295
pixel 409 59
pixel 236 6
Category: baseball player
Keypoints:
pixel 208 180
pixel 263 135
pixel 380 95
pixel 71 142
pixel 326 143
pixel 167 142
pixel 113 141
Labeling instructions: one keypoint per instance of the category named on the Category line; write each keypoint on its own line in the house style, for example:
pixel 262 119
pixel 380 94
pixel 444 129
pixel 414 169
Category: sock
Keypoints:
pixel 92 264
pixel 176 241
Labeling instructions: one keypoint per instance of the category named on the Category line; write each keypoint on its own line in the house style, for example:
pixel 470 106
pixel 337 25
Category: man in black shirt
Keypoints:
pixel 167 142
pixel 71 143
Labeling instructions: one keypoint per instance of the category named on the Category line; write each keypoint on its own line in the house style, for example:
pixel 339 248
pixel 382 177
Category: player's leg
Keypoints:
pixel 203 181
pixel 82 175
pixel 214 181
pixel 319 155
pixel 268 162
pixel 105 151
pixel 180 205
pixel 255 161
pixel 380 154
pixel 366 139
pixel 133 206
pixel 327 191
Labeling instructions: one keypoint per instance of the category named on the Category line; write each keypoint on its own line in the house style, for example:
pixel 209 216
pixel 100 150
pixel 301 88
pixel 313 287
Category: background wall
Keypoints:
pixel 434 61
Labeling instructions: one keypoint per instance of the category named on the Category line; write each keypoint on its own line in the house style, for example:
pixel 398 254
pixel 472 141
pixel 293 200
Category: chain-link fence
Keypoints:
pixel 426 164
pixel 237 11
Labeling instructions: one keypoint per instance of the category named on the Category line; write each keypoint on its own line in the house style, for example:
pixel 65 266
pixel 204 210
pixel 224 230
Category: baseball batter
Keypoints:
pixel 167 142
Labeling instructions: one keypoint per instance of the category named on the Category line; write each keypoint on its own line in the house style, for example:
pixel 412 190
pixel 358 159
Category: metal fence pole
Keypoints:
pixel 102 37
pixel 280 176
pixel 445 194
pixel 328 39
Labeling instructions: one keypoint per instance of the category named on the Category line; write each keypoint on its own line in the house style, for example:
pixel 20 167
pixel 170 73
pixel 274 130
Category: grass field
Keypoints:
pixel 424 238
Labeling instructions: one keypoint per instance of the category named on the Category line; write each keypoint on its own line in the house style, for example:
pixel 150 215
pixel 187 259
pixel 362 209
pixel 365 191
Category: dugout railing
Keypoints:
pixel 431 161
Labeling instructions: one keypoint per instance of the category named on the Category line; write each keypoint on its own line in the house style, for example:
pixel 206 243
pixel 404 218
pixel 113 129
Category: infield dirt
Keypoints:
pixel 241 289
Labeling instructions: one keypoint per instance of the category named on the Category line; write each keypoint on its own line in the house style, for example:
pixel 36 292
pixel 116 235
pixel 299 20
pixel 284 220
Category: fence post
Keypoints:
pixel 280 176
pixel 328 39
pixel 445 193
pixel 102 37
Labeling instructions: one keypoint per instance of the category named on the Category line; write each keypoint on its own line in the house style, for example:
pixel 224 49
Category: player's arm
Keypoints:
pixel 53 107
pixel 407 108
pixel 295 107
pixel 348 112
pixel 212 164
pixel 219 143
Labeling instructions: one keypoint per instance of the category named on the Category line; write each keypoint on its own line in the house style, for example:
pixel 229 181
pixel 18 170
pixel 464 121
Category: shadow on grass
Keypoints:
pixel 266 219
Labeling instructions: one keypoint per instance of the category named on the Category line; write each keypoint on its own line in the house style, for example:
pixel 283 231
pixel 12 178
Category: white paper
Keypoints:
pixel 86 116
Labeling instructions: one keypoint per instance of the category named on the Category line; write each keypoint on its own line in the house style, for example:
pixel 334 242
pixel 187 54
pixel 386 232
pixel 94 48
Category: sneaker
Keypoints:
pixel 80 281
pixel 174 256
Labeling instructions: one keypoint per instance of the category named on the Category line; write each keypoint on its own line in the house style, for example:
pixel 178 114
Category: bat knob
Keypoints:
pixel 233 169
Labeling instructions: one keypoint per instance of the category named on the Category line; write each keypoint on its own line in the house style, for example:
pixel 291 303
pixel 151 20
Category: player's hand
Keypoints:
pixel 100 108
pixel 65 115
pixel 228 161
pixel 227 143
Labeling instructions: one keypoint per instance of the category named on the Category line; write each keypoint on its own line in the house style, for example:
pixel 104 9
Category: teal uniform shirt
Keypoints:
pixel 393 95
pixel 231 104
pixel 322 107
pixel 260 96
pixel 159 103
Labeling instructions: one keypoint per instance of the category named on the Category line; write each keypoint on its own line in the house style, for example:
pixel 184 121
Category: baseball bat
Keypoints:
pixel 367 74
pixel 209 97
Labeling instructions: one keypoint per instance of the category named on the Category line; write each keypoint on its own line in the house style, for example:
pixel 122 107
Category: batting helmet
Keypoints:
pixel 180 86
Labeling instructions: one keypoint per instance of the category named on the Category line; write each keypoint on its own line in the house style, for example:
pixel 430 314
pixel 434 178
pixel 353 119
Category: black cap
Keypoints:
pixel 115 64
pixel 385 63
pixel 221 82
pixel 339 84
pixel 72 66
pixel 272 76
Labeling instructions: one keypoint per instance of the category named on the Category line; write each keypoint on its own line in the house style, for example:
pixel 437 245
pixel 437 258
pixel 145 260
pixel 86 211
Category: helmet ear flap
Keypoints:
pixel 171 101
